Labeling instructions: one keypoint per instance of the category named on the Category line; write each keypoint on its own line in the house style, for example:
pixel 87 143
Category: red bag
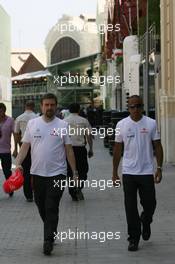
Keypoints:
pixel 14 182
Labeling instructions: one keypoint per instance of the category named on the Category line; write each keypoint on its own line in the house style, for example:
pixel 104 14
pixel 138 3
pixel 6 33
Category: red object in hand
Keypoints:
pixel 14 182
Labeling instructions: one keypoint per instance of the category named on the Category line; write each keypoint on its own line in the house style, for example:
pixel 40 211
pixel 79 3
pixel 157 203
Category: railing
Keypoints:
pixel 29 90
pixel 153 42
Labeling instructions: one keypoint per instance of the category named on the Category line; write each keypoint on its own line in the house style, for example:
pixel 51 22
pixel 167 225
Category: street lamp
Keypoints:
pixel 138 26
pixel 146 88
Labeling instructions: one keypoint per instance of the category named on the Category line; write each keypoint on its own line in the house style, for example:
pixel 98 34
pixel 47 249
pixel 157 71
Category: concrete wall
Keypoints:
pixel 86 35
pixel 167 97
pixel 5 69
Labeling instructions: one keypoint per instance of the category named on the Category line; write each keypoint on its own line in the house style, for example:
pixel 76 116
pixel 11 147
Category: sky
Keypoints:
pixel 31 20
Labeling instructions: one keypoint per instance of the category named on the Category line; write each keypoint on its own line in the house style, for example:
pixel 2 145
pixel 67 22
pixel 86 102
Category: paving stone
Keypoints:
pixel 21 230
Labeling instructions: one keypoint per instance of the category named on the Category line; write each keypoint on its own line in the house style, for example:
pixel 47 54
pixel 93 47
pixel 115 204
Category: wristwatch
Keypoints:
pixel 19 167
pixel 160 168
pixel 75 172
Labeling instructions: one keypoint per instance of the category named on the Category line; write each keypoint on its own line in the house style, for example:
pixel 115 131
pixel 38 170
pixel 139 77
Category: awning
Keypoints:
pixel 74 64
pixel 31 75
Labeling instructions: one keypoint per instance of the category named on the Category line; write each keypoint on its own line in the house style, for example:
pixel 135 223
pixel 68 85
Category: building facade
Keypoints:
pixel 5 69
pixel 167 84
pixel 29 78
pixel 71 37
pixel 124 17
pixel 72 55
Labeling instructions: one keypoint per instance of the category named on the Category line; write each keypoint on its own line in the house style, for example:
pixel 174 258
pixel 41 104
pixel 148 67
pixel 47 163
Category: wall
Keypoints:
pixel 5 70
pixel 87 39
pixel 167 97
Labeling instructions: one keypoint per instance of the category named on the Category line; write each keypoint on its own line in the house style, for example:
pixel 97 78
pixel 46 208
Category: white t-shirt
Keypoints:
pixel 22 120
pixel 78 128
pixel 47 147
pixel 137 137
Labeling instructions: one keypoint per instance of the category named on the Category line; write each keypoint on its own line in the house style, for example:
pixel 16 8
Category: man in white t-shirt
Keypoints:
pixel 136 136
pixel 20 127
pixel 50 145
pixel 80 133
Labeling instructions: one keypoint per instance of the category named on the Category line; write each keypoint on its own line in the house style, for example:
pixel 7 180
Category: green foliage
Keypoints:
pixel 154 14
pixel 119 60
pixel 154 17
pixel 103 68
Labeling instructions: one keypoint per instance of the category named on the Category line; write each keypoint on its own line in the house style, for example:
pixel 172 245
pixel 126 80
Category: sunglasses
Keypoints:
pixel 138 106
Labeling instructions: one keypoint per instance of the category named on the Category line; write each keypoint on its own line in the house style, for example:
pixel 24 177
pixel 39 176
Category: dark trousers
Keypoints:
pixel 47 198
pixel 82 167
pixel 144 185
pixel 6 163
pixel 27 187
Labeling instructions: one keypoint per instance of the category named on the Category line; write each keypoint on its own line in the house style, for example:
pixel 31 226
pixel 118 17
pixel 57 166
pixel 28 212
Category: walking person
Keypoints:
pixel 20 127
pixel 91 115
pixel 80 135
pixel 6 131
pixel 49 149
pixel 136 137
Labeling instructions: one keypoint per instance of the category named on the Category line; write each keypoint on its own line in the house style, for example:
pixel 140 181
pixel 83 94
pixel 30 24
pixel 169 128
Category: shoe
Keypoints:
pixel 146 231
pixel 80 195
pixel 30 200
pixel 133 245
pixel 146 228
pixel 11 194
pixel 47 247
pixel 74 198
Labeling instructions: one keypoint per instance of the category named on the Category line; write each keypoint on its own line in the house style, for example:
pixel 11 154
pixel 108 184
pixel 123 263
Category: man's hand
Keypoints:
pixel 158 176
pixel 15 153
pixel 19 167
pixel 116 180
pixel 76 178
pixel 90 153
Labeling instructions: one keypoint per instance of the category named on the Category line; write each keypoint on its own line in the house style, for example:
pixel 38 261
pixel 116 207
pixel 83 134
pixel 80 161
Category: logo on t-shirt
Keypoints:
pixel 130 133
pixel 37 133
pixel 144 130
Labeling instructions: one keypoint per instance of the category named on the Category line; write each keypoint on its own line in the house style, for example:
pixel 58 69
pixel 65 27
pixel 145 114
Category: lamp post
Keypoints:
pixel 138 26
pixel 146 88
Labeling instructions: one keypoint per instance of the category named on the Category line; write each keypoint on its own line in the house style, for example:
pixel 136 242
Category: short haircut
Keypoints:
pixel 74 108
pixel 3 107
pixel 30 104
pixel 135 96
pixel 49 96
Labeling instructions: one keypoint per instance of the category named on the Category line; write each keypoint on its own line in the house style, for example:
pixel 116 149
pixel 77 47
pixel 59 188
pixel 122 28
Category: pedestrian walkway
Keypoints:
pixel 101 211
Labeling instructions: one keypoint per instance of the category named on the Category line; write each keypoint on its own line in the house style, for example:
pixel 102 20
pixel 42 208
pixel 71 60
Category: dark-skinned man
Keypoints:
pixel 136 138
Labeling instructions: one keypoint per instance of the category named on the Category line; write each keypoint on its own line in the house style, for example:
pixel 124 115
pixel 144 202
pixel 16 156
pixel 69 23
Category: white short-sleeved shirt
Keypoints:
pixel 47 146
pixel 80 126
pixel 22 120
pixel 137 137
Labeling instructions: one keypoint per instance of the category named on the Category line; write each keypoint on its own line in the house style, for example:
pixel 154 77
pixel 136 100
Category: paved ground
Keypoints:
pixel 102 211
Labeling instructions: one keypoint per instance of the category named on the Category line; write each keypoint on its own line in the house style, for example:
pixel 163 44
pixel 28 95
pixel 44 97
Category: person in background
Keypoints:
pixel 64 113
pixel 79 140
pixel 83 112
pixel 20 127
pixel 6 131
pixel 91 115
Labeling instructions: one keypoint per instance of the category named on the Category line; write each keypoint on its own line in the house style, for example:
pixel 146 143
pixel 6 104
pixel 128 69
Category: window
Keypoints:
pixel 65 49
